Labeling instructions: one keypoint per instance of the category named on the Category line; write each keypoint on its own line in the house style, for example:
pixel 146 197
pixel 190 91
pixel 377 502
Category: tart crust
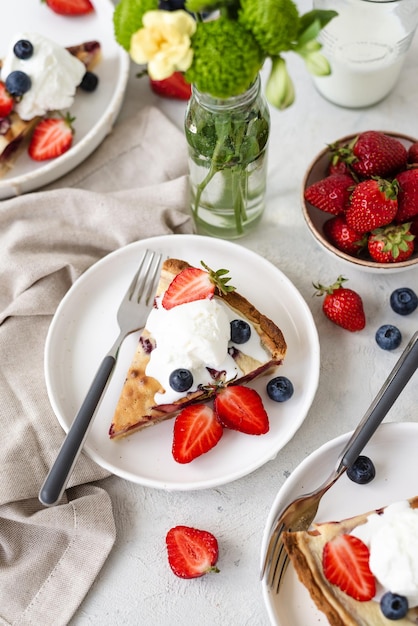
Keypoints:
pixel 305 551
pixel 136 407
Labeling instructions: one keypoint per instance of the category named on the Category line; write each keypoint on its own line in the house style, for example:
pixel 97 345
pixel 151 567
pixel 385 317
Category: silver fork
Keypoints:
pixel 132 314
pixel 299 514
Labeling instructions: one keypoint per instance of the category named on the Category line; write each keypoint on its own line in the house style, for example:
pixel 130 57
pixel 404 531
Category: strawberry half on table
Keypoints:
pixel 51 138
pixel 191 552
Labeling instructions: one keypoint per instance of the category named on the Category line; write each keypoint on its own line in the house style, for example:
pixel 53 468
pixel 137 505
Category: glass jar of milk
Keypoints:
pixel 366 45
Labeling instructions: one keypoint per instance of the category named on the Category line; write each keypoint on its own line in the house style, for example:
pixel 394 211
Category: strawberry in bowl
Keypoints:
pixel 360 200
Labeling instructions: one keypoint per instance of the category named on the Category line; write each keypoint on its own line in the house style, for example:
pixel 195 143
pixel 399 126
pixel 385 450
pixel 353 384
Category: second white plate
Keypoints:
pixel 95 112
pixel 393 451
pixel 84 327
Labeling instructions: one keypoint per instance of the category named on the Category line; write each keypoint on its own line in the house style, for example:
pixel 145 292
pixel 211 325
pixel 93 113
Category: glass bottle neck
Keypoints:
pixel 218 104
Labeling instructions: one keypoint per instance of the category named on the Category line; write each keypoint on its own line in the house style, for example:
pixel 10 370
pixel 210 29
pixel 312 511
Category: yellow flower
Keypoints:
pixel 164 43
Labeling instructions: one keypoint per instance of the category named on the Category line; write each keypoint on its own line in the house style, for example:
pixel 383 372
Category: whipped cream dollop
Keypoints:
pixel 54 73
pixel 193 336
pixel 392 539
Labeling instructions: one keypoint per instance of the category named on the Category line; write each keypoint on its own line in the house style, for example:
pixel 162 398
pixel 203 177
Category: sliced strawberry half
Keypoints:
pixel 345 561
pixel 196 431
pixel 70 7
pixel 191 552
pixel 241 408
pixel 6 101
pixel 193 284
pixel 190 285
pixel 51 138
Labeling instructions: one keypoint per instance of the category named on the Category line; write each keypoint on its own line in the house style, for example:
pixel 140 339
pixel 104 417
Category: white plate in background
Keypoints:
pixel 95 112
pixel 393 452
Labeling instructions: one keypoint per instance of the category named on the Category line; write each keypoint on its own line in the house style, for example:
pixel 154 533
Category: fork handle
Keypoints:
pixel 56 480
pixel 389 392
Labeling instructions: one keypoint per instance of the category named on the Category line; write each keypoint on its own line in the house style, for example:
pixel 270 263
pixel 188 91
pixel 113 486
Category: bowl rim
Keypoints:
pixel 321 239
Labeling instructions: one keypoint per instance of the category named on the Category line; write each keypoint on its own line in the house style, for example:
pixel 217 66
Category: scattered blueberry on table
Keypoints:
pixel 404 301
pixel 388 337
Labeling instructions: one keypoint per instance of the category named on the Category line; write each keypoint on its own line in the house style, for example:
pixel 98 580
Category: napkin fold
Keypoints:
pixel 134 186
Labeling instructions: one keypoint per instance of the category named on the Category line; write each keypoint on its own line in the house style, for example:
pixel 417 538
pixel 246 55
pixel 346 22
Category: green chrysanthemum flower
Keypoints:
pixel 273 23
pixel 226 58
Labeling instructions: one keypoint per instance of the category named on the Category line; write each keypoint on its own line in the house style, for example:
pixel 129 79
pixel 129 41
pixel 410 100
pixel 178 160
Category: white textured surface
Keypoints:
pixel 135 585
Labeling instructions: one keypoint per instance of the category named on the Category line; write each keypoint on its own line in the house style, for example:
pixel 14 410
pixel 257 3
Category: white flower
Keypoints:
pixel 164 43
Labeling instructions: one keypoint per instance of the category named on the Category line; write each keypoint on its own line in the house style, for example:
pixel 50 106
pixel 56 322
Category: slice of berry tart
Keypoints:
pixel 200 335
pixel 362 571
pixel 38 77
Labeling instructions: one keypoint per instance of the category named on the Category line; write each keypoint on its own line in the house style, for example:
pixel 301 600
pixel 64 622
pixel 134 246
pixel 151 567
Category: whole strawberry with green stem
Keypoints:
pixel 372 153
pixel 373 204
pixel 342 306
pixel 391 244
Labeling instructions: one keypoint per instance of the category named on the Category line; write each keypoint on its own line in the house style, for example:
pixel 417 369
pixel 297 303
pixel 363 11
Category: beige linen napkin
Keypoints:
pixel 133 187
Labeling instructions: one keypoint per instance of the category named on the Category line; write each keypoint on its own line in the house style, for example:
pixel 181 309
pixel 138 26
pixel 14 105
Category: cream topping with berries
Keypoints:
pixel 392 538
pixel 53 71
pixel 194 336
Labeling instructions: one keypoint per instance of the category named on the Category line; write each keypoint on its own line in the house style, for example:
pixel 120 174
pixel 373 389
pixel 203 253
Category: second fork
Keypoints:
pixel 299 514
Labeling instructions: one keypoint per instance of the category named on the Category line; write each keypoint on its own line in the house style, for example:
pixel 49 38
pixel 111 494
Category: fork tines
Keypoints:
pixel 145 280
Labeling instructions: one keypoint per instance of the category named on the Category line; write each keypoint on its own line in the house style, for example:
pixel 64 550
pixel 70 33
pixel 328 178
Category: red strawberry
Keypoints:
pixel 241 408
pixel 193 284
pixel 414 226
pixel 174 86
pixel 51 138
pixel 373 204
pixel 342 306
pixel 391 244
pixel 196 431
pixel 6 101
pixel 413 153
pixel 407 195
pixel 191 552
pixel 373 153
pixel 345 561
pixel 331 194
pixel 339 233
pixel 337 166
pixel 70 7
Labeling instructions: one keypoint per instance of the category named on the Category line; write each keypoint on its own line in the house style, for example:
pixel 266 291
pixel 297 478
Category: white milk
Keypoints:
pixel 366 48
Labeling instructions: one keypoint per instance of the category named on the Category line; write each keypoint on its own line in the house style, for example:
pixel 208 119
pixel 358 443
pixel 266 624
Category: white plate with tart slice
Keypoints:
pixel 94 112
pixel 85 326
pixel 393 452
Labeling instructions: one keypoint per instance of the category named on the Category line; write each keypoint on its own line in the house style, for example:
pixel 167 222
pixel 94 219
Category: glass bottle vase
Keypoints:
pixel 227 140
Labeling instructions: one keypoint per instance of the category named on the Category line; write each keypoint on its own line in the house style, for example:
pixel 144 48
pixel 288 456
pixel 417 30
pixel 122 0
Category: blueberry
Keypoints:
pixel 404 301
pixel 23 49
pixel 388 337
pixel 393 606
pixel 362 471
pixel 181 379
pixel 89 82
pixel 171 5
pixel 240 331
pixel 280 389
pixel 18 83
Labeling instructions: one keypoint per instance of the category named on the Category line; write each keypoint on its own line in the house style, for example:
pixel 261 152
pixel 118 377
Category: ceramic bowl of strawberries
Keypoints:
pixel 360 200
